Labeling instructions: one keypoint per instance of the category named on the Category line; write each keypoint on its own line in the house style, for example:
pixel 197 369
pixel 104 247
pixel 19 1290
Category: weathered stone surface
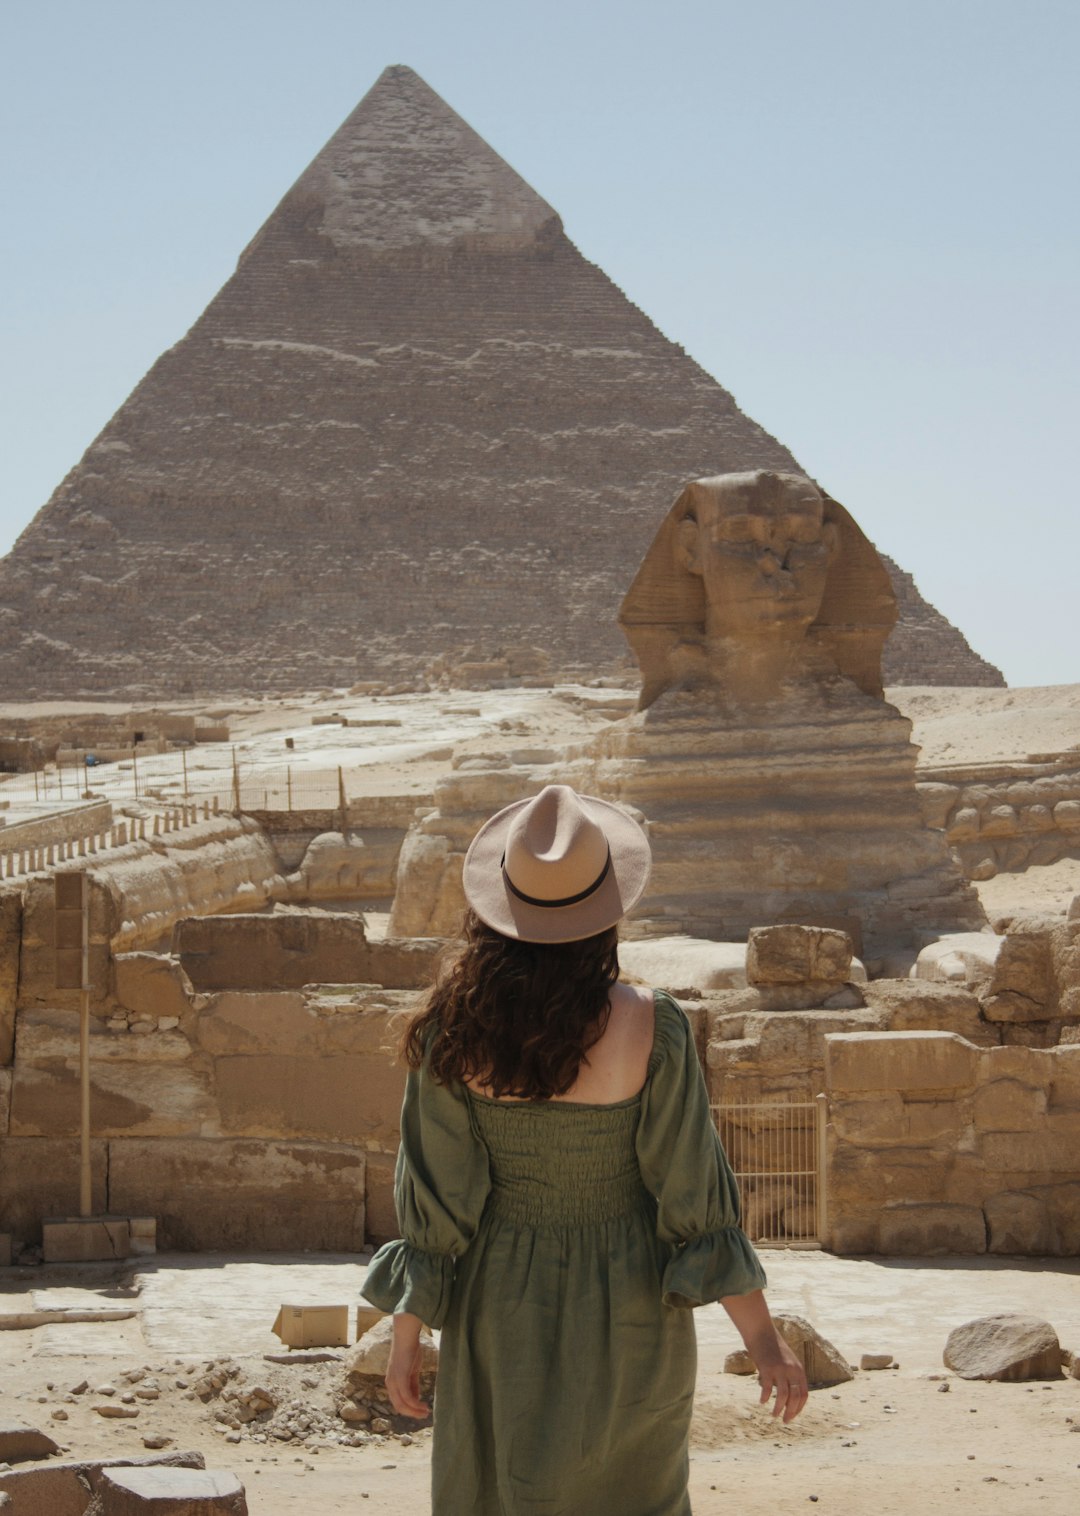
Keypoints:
pixel 960 958
pixel 824 1364
pixel 48 1037
pixel 244 1194
pixel 1018 1222
pixel 928 1230
pixel 685 965
pixel 5 1100
pixel 320 1021
pixel 371 1355
pixel 345 1099
pixel 20 1444
pixel 915 1005
pixel 168 1492
pixel 153 983
pixel 10 937
pixel 899 1061
pixel 148 1099
pixel 1006 1105
pixel 1007 1346
pixel 797 955
pixel 39 1176
pixel 60 1489
pixel 335 867
pixel 876 1361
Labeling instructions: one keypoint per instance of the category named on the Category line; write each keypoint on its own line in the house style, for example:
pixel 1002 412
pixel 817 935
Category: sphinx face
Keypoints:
pixel 762 548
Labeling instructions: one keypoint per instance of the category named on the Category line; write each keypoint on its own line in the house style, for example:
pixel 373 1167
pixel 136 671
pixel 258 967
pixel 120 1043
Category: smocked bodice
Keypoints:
pixel 553 1163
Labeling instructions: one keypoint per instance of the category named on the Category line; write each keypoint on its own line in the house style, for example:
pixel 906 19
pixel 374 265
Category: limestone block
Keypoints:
pixel 824 1364
pixel 380 1207
pixel 1063 1064
pixel 335 867
pixel 371 1355
pixel 20 1443
pixel 5 1100
pixel 319 1021
pixel 1009 1007
pixel 1036 818
pixel 85 1239
pixel 10 939
pixel 1000 821
pixel 685 965
pixel 1023 973
pixel 60 1488
pixel 936 801
pixel 344 1099
pixel 168 1492
pixel 1063 1203
pixel 39 1176
pixel 959 958
pixel 797 955
pixel 243 1195
pixel 911 1005
pixel 1006 1105
pixel 153 983
pixel 1007 1346
pixel 1018 1222
pixel 964 824
pixel 935 1121
pixel 48 1035
pixel 429 886
pixel 898 1061
pixel 871 1121
pixel 1034 1155
pixel 145 1099
pixel 1067 815
pixel 929 1230
pixel 285 950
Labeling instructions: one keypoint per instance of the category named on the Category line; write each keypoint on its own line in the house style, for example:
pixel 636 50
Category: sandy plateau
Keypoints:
pixel 903 1440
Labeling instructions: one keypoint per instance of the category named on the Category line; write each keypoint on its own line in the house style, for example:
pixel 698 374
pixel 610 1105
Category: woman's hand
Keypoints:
pixel 403 1370
pixel 779 1367
pixel 781 1371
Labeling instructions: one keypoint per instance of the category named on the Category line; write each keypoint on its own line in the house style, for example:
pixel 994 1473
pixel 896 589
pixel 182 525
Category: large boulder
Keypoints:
pixel 1007 1346
pixel 20 1444
pixel 798 955
pixel 160 1491
pixel 687 966
pixel 371 1356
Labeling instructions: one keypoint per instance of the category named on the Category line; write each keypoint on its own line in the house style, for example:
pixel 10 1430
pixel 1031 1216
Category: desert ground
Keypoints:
pixel 904 1440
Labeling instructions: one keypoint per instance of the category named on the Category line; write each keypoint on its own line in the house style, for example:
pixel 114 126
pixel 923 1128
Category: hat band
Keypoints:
pixel 567 899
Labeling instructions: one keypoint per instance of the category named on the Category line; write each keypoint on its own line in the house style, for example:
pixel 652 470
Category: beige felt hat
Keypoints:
pixel 557 867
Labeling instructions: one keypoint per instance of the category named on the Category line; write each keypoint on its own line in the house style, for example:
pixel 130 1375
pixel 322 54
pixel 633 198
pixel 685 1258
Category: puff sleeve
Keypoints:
pixel 683 1165
pixel 441 1185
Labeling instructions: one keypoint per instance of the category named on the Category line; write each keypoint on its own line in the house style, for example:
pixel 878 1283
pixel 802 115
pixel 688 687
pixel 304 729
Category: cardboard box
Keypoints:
pixel 313 1326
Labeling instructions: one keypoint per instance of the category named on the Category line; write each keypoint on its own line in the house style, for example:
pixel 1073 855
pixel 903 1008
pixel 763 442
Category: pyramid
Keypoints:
pixel 416 427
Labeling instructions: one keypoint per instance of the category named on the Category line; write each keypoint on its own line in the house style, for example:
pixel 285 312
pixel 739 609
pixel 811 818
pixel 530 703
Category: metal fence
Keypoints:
pixel 777 1151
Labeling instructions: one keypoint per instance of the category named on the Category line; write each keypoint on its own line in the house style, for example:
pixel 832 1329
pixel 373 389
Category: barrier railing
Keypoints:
pixel 777 1152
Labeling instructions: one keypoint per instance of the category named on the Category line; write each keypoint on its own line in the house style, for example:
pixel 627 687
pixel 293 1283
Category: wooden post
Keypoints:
pixel 236 781
pixel 183 760
pixel 343 802
pixel 288 783
pixel 822 1123
pixel 135 770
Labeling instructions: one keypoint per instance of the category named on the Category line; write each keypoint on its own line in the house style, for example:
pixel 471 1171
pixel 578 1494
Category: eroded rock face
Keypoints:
pixel 1007 1347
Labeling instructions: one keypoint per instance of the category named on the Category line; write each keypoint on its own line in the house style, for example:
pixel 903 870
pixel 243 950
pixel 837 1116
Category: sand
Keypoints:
pixel 887 1442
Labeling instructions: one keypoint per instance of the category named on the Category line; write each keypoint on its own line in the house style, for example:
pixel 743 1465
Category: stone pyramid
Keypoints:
pixel 416 427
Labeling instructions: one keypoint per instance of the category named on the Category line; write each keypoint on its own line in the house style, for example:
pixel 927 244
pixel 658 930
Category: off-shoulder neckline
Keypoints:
pixel 659 997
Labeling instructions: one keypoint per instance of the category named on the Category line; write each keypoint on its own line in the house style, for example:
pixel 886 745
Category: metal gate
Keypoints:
pixel 777 1151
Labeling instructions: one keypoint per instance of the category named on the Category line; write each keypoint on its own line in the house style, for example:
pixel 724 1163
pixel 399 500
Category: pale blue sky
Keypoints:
pixel 861 217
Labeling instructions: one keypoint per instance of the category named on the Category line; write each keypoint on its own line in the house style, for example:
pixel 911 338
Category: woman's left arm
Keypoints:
pixel 779 1367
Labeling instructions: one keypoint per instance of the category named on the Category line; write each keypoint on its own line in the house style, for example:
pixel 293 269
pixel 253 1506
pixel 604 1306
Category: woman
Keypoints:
pixel 562 1193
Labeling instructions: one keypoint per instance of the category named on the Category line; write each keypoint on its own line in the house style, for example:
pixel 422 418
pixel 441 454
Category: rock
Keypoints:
pixel 59 1414
pixel 352 1413
pixel 797 955
pixel 959 958
pixel 876 1361
pixel 168 1491
pixel 156 1440
pixel 685 966
pixel 110 1408
pixel 1007 1347
pixel 371 1355
pixel 19 1443
pixel 824 1365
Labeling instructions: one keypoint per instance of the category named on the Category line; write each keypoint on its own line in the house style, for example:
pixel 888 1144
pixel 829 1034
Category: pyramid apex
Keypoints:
pixel 406 170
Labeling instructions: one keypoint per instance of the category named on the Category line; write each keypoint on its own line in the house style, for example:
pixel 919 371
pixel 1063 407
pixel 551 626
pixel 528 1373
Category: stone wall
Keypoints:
pixel 1007 817
pixel 939 1146
pixel 71 825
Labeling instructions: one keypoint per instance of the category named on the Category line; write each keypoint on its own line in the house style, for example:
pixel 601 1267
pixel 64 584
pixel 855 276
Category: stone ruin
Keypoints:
pixel 410 337
pixel 244 1088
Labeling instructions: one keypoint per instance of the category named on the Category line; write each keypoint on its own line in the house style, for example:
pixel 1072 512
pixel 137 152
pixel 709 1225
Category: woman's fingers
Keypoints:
pixel 790 1387
pixel 405 1398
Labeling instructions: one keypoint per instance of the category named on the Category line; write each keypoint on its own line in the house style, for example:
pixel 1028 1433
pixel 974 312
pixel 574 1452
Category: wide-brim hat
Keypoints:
pixel 557 867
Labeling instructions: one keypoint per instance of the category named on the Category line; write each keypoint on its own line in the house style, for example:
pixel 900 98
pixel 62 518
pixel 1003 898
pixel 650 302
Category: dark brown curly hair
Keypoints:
pixel 517 1017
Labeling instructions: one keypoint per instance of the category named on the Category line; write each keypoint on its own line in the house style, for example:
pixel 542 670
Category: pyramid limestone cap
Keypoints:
pixel 404 170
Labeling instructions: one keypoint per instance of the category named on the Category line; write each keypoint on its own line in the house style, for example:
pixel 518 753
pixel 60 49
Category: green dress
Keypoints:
pixel 557 1246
